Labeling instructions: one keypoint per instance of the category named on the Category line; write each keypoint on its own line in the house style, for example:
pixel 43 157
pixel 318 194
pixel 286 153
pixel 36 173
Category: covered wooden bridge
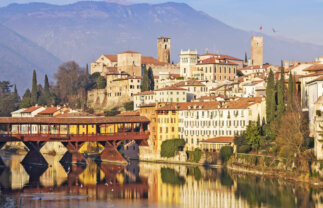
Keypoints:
pixel 34 132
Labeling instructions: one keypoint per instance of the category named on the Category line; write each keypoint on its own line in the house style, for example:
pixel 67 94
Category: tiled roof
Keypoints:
pixel 212 60
pixel 163 38
pixel 170 88
pixel 320 78
pixel 31 109
pixel 129 114
pixel 315 67
pixel 218 87
pixel 241 103
pixel 146 93
pixel 151 60
pixel 221 56
pixel 189 83
pixel 49 110
pixel 148 105
pixel 113 58
pixel 72 120
pixel 219 140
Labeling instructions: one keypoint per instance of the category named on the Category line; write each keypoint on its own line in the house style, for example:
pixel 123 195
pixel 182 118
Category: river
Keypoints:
pixel 143 185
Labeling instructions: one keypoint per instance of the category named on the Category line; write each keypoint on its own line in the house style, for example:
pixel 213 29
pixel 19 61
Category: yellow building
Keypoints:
pixel 167 119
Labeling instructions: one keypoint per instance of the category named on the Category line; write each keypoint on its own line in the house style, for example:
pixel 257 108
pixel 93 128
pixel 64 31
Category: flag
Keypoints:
pixel 260 28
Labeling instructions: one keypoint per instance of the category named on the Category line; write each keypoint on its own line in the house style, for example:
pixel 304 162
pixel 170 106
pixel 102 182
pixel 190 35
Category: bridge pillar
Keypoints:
pixel 34 156
pixel 73 155
pixel 111 153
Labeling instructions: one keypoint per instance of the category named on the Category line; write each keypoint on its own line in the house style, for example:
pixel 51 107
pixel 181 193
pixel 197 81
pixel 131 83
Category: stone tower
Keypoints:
pixel 163 45
pixel 257 50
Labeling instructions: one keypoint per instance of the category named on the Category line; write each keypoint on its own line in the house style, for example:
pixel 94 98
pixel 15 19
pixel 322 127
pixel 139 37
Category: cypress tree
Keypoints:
pixel 145 81
pixel 151 79
pixel 34 89
pixel 270 98
pixel 15 91
pixel 245 57
pixel 281 93
pixel 290 96
pixel 46 86
pixel 26 100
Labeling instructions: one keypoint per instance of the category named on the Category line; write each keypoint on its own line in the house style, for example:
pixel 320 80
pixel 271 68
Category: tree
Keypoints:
pixel 34 96
pixel 128 106
pixel 46 86
pixel 270 98
pixel 253 135
pixel 290 96
pixel 145 81
pixel 281 94
pixel 26 100
pixel 9 101
pixel 226 152
pixel 151 79
pixel 71 84
pixel 239 73
pixel 101 82
pixel 245 57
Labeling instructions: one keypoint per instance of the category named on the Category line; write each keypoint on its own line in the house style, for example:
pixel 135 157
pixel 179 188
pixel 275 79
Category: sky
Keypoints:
pixel 300 20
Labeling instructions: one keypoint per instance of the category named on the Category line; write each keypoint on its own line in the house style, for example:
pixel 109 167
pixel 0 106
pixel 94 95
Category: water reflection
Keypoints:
pixel 142 185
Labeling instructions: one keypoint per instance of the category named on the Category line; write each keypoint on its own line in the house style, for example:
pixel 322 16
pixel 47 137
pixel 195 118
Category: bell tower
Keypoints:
pixel 163 45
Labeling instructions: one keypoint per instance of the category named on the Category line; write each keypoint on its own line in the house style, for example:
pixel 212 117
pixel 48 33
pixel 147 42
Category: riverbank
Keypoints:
pixel 271 167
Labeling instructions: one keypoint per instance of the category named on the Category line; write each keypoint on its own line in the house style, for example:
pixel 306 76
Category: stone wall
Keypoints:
pixel 97 98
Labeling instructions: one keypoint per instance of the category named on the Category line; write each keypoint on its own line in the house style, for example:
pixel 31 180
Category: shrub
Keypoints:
pixel 169 176
pixel 128 106
pixel 194 156
pixel 195 171
pixel 112 112
pixel 244 149
pixel 169 148
pixel 226 153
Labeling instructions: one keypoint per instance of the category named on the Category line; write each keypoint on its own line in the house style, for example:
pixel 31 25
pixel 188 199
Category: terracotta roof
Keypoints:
pixel 265 66
pixel 156 77
pixel 49 110
pixel 219 140
pixel 31 109
pixel 129 52
pixel 316 73
pixel 221 56
pixel 212 60
pixel 66 120
pixel 113 58
pixel 129 114
pixel 218 87
pixel 241 103
pixel 145 93
pixel 151 60
pixel 189 83
pixel 315 67
pixel 170 88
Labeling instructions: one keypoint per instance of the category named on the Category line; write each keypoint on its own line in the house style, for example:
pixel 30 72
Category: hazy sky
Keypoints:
pixel 297 19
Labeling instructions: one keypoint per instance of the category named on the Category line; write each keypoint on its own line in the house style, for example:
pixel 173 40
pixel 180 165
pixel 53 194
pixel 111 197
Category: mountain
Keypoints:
pixel 19 56
pixel 84 30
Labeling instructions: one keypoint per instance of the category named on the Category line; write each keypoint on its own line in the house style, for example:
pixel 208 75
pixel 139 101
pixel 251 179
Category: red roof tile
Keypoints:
pixel 31 109
pixel 219 140
pixel 151 60
pixel 129 52
pixel 170 88
pixel 212 60
pixel 145 93
pixel 49 110
pixel 129 114
pixel 315 67
pixel 113 58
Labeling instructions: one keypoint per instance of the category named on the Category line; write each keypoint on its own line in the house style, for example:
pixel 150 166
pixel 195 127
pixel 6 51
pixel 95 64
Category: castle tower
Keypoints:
pixel 257 50
pixel 163 45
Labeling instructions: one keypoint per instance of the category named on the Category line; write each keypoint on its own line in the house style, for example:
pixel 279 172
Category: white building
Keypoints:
pixel 203 120
pixel 195 89
pixel 188 61
pixel 250 89
pixel 318 128
pixel 315 90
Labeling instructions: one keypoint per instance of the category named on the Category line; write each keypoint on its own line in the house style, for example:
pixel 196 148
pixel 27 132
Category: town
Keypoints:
pixel 202 109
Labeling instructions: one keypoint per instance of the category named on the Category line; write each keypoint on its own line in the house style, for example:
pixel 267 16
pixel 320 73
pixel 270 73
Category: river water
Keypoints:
pixel 143 185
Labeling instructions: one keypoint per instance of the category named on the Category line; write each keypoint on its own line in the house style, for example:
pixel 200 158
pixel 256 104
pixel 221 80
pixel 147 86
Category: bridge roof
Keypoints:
pixel 69 120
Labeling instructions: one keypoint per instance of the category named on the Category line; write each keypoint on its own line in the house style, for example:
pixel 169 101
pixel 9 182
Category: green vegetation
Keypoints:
pixel 239 73
pixel 194 156
pixel 128 106
pixel 169 148
pixel 245 57
pixel 170 176
pixel 148 82
pixel 226 152
pixel 9 101
pixel 194 171
pixel 281 93
pixel 270 98
pixel 112 112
